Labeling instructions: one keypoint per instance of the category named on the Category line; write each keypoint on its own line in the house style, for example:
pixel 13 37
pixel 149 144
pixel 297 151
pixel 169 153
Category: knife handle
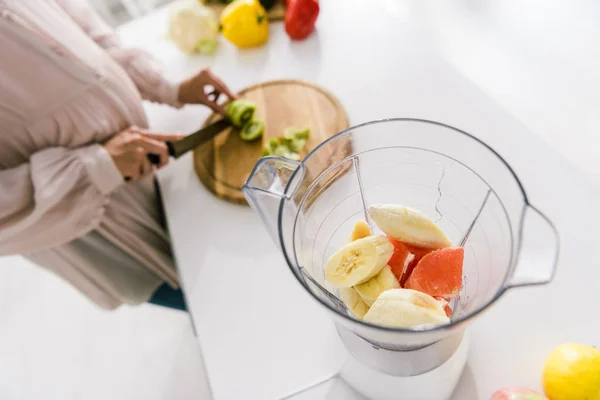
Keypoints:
pixel 155 158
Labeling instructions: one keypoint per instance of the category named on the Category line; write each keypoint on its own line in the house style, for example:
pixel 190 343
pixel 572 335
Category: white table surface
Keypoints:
pixel 387 59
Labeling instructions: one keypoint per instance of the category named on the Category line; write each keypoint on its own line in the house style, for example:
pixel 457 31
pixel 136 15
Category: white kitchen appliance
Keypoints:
pixel 310 207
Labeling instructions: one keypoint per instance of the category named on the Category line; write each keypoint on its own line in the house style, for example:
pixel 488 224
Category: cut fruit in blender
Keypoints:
pixel 444 304
pixel 370 290
pixel 439 273
pixel 418 253
pixel 409 226
pixel 401 259
pixel 361 230
pixel 358 261
pixel 404 308
pixel 353 301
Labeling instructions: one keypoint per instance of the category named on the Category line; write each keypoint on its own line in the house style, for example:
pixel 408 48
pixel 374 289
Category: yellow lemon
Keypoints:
pixel 245 23
pixel 572 372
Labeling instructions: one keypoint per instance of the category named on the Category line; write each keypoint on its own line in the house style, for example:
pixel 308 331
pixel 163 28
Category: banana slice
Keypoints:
pixel 409 226
pixel 403 308
pixel 354 303
pixel 358 261
pixel 361 230
pixel 370 290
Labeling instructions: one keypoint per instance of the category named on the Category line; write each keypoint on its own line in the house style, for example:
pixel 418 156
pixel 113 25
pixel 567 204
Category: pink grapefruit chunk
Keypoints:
pixel 418 253
pixel 401 258
pixel 439 273
pixel 446 306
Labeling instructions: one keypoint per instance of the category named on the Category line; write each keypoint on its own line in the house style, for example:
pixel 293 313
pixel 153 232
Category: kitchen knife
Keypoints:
pixel 191 141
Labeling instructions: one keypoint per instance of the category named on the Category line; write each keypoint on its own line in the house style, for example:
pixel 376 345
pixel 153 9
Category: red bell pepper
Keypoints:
pixel 300 18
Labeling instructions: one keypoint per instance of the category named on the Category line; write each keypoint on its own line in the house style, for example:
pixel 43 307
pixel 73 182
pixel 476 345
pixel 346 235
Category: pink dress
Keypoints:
pixel 66 86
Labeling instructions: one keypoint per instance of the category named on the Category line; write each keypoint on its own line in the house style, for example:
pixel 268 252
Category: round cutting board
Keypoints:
pixel 224 163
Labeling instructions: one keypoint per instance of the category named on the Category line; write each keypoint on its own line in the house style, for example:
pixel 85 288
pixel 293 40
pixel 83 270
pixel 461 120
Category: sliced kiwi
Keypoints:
pixel 252 130
pixel 283 151
pixel 271 146
pixel 240 112
pixel 293 132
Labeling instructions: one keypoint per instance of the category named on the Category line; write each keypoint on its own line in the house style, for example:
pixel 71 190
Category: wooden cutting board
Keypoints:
pixel 224 163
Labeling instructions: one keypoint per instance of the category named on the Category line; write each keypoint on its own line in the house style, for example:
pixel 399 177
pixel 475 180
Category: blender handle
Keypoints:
pixel 538 252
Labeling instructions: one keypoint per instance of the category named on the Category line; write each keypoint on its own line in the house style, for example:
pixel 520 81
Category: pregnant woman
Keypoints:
pixel 77 193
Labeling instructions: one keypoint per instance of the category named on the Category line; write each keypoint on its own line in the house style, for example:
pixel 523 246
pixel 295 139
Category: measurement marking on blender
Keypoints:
pixel 360 188
pixel 468 233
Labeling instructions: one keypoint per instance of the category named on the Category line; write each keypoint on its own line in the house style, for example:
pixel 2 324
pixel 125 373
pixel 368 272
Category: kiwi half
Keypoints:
pixel 239 112
pixel 252 130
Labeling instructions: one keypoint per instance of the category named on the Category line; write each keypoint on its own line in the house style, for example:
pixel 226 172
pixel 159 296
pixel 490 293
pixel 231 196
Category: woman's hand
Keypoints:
pixel 204 88
pixel 129 150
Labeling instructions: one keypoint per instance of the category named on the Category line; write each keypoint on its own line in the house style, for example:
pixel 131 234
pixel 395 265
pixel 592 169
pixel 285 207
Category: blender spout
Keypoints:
pixel 269 188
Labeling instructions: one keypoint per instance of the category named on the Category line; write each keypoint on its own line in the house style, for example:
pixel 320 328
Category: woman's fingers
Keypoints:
pixel 219 85
pixel 214 96
pixel 163 137
pixel 145 167
pixel 216 108
pixel 152 146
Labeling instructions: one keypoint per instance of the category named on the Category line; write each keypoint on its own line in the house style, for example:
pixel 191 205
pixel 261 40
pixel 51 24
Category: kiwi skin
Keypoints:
pixel 252 130
pixel 239 112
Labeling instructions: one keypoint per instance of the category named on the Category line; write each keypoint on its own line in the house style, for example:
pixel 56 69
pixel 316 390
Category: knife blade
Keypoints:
pixel 193 140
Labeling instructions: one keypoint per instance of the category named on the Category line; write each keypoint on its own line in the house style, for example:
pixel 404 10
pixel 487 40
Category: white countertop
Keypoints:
pixel 382 59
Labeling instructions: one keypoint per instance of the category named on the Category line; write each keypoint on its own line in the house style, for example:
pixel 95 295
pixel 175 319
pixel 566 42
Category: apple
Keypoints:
pixel 517 393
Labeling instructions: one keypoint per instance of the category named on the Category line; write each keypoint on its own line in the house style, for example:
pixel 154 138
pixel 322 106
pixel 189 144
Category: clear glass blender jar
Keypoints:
pixel 462 184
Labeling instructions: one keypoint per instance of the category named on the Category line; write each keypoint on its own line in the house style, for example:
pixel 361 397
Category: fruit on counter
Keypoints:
pixel 361 230
pixel 193 28
pixel 409 226
pixel 354 302
pixel 252 130
pixel 572 371
pixel 300 18
pixel 240 112
pixel 370 290
pixel 358 261
pixel 401 258
pixel 517 393
pixel 245 23
pixel 404 308
pixel 439 273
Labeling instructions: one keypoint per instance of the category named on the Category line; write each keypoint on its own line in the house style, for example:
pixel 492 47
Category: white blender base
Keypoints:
pixel 436 384
pixel 358 382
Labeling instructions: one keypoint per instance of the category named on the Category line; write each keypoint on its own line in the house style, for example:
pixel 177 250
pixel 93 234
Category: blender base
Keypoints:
pixel 437 384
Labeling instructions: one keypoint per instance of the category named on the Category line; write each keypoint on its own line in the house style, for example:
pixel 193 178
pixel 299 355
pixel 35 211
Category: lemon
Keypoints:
pixel 572 372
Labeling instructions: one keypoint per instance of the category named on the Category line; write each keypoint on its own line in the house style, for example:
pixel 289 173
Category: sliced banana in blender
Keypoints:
pixel 353 301
pixel 404 308
pixel 370 290
pixel 409 226
pixel 361 230
pixel 358 261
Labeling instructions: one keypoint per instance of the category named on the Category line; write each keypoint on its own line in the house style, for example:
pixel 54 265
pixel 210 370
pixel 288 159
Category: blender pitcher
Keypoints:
pixel 459 182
